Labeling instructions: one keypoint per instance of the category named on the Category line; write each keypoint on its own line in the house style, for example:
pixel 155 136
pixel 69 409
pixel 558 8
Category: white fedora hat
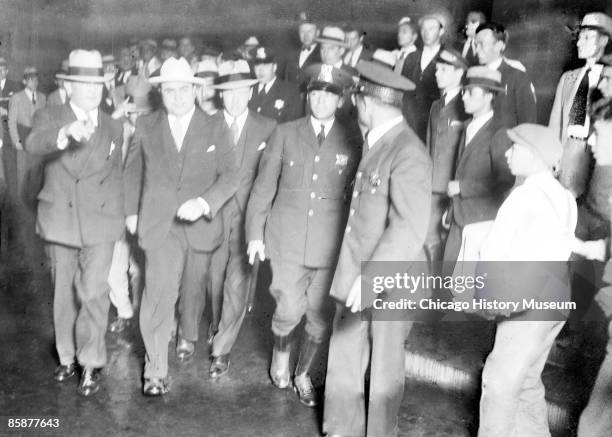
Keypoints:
pixel 85 66
pixel 332 35
pixel 175 70
pixel 233 75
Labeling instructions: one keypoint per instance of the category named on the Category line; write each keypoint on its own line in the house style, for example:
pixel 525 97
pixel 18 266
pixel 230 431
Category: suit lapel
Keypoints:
pixel 166 143
pixel 190 141
pixel 98 144
pixel 243 141
pixel 572 85
pixel 475 143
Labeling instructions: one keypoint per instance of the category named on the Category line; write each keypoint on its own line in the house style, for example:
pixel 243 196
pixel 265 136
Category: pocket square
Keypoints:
pixel 112 148
pixel 211 149
pixel 455 123
pixel 261 146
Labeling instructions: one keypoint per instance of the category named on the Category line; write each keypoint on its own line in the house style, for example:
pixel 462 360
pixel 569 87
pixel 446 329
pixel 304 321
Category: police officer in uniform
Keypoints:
pixel 386 222
pixel 298 207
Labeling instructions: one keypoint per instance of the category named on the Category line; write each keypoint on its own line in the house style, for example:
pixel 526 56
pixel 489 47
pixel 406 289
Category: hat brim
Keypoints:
pixel 87 79
pixel 132 108
pixel 485 86
pixel 331 41
pixel 235 84
pixel 601 29
pixel 162 79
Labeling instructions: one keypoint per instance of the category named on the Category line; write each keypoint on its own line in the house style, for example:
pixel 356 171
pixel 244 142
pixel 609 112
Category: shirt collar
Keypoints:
pixel 495 64
pixel 28 93
pixel 541 178
pixel 241 119
pixel 81 115
pixel 432 49
pixel 379 131
pixel 450 95
pixel 316 125
pixel 185 118
pixel 478 122
pixel 268 85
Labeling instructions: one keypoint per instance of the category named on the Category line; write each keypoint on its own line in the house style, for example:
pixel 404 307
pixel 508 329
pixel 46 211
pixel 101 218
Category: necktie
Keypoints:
pixel 399 65
pixel 235 130
pixel 321 135
pixel 577 114
pixel 177 133
pixel 34 98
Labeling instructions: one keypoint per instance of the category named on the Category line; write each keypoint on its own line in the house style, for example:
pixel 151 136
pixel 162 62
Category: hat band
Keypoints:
pixel 385 94
pixel 325 86
pixel 233 77
pixel 484 83
pixel 596 27
pixel 85 71
pixel 205 74
pixel 332 39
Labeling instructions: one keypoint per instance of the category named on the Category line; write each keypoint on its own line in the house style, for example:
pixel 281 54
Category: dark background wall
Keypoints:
pixel 42 32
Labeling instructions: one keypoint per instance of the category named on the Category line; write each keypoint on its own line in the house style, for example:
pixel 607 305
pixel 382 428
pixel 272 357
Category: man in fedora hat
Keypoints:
pixel 386 222
pixel 178 176
pixel 356 49
pixel 206 95
pixel 481 177
pixel 333 46
pixel 444 131
pixel 569 114
pixel 230 272
pixel 308 53
pixel 273 97
pixel 295 217
pixel 80 214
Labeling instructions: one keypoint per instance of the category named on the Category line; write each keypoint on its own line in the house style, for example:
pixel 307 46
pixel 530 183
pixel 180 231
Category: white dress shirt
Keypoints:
pixel 378 132
pixel 240 120
pixel 450 95
pixel 466 46
pixel 265 86
pixel 535 223
pixel 351 58
pixel 316 125
pixel 428 55
pixel 475 125
pixel 183 121
pixel 305 53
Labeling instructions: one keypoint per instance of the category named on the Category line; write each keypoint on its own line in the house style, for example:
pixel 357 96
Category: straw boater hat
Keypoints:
pixel 327 78
pixel 384 57
pixel 176 70
pixel 484 77
pixel 380 81
pixel 233 75
pixel 332 35
pixel 85 66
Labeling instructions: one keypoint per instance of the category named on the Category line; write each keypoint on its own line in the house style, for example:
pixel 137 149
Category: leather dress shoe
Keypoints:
pixel 119 325
pixel 90 381
pixel 62 372
pixel 184 349
pixel 155 387
pixel 306 392
pixel 219 366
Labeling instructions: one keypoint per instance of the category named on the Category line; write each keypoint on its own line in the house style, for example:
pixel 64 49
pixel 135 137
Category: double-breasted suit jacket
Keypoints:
pixel 81 202
pixel 159 179
pixel 299 199
pixel 282 102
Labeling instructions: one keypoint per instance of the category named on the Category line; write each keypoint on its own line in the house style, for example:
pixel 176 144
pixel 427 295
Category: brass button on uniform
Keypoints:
pixel 315 177
pixel 310 212
pixel 312 195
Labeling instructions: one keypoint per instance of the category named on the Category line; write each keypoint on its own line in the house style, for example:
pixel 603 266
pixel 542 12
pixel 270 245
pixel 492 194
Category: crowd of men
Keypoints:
pixel 323 163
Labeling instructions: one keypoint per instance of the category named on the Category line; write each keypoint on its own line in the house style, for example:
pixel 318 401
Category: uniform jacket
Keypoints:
pixel 251 145
pixel 21 110
pixel 443 136
pixel 518 104
pixel 483 175
pixel 81 202
pixel 386 220
pixel 54 98
pixel 299 200
pixel 292 68
pixel 564 98
pixel 282 102
pixel 159 179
